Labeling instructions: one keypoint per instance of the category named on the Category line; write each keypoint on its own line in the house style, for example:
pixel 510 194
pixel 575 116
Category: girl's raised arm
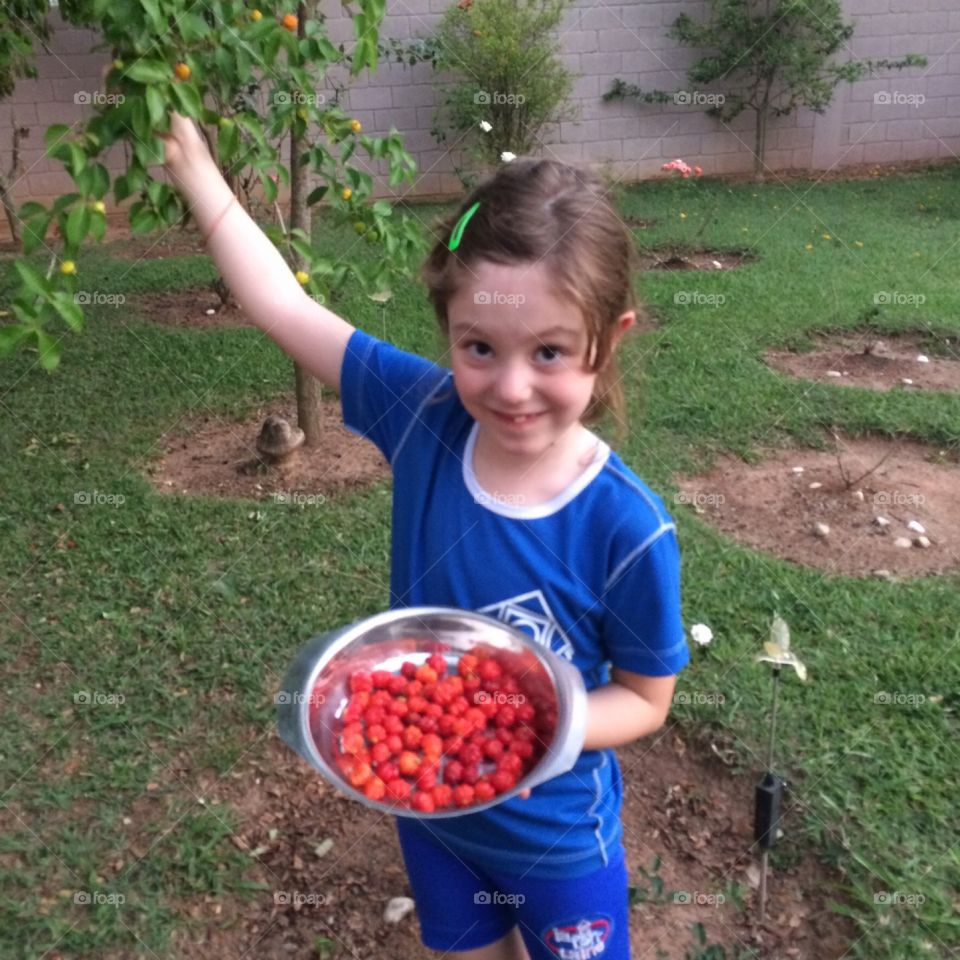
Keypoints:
pixel 250 264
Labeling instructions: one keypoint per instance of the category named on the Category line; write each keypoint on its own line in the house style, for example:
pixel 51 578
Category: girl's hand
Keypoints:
pixel 186 154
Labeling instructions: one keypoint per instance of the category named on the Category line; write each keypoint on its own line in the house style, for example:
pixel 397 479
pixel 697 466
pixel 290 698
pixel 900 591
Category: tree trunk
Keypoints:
pixel 9 207
pixel 309 389
pixel 760 146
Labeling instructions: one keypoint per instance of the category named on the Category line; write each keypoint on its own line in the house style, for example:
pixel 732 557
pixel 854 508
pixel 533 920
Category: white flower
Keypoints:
pixel 701 634
pixel 507 156
pixel 485 127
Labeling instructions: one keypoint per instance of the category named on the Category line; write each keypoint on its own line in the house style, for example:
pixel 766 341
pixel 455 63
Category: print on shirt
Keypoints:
pixel 581 940
pixel 531 613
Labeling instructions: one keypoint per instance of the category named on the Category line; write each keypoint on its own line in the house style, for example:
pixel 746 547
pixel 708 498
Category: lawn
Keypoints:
pixel 143 629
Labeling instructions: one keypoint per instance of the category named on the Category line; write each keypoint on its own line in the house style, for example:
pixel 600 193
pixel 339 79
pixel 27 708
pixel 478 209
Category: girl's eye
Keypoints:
pixel 550 354
pixel 477 348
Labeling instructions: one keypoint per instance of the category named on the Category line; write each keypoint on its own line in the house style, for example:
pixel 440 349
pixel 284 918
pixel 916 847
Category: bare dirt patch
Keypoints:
pixel 197 307
pixel 907 361
pixel 215 457
pixel 681 258
pixel 902 519
pixel 333 865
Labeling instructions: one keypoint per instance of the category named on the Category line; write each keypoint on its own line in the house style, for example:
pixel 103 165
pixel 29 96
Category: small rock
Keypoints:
pixel 881 522
pixel 397 909
pixel 717 264
pixel 921 358
pixel 834 373
pixel 903 542
pixel 210 312
pixel 921 542
pixel 916 527
pixel 858 495
pixel 907 381
pixel 882 574
pixel 821 530
pixel 815 485
pixel 796 469
pixel 877 348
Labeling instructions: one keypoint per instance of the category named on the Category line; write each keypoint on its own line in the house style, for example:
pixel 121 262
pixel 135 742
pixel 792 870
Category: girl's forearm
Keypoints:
pixel 616 715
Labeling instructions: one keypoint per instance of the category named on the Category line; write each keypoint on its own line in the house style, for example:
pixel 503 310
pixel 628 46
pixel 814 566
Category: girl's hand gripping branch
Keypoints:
pixel 250 264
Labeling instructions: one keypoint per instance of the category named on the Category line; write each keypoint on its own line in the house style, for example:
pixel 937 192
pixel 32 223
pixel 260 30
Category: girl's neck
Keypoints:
pixel 542 479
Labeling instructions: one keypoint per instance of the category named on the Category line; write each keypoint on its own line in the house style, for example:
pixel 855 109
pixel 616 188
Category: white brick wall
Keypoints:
pixel 599 41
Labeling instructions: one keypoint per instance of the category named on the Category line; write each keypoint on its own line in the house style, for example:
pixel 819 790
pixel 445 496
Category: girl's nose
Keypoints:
pixel 513 384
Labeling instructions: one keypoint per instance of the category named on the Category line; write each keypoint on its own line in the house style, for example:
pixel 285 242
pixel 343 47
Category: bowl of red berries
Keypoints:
pixel 432 711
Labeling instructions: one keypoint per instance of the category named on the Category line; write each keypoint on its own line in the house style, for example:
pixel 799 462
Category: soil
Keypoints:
pixel 772 506
pixel 894 367
pixel 341 862
pixel 190 308
pixel 680 258
pixel 216 457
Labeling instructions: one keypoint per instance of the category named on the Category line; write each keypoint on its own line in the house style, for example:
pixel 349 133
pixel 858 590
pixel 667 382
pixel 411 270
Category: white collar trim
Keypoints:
pixel 505 506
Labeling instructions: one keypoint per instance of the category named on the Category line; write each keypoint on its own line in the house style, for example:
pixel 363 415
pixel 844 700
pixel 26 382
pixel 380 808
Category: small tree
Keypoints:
pixel 505 53
pixel 771 55
pixel 201 60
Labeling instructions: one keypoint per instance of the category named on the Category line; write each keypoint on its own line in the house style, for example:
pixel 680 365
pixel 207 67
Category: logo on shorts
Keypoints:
pixel 580 940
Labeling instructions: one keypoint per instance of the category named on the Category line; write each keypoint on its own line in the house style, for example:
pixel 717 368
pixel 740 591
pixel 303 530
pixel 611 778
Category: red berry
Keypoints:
pixel 379 752
pixel 470 753
pixel 397 686
pixel 493 748
pixel 506 717
pixel 442 795
pixel 360 681
pixel 394 743
pixel 408 763
pixel 360 774
pixel 408 670
pixel 467 665
pixel 399 708
pixel 428 724
pixel 374 715
pixel 522 748
pixel 510 763
pixel 376 733
pixel 387 771
pixel 471 773
pixel 471 685
pixel 423 801
pixel 453 772
pixel 432 746
pixel 426 674
pixel 427 775
pixel 412 737
pixel 484 791
pixel 398 789
pixel 463 795
pixel 392 724
pixel 489 670
pixel 502 781
pixel 526 712
pixel 375 789
pixel 414 689
pixel 438 663
pixel 381 679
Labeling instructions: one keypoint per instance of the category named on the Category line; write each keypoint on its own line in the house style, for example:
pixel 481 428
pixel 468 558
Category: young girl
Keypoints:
pixel 504 502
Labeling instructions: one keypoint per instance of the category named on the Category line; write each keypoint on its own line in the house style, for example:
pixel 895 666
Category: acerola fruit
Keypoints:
pixel 68 267
pixel 118 64
pixel 374 789
pixel 463 795
pixel 381 679
pixel 489 670
pixel 356 126
pixel 98 206
pixel 484 791
pixel 379 752
pixel 408 670
pixel 256 16
pixel 302 278
pixel 425 673
pixel 361 680
pixel 438 662
pixel 290 22
pixel 502 781
pixel 182 71
pixel 423 801
pixel 442 795
pixel 453 772
pixel 399 789
pixel 409 763
pixel 360 774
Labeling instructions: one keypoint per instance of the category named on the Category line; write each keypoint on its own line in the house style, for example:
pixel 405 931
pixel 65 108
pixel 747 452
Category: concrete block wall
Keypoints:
pixel 910 115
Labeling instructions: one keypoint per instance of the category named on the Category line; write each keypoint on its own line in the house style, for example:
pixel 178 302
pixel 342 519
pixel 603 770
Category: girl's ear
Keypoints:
pixel 624 322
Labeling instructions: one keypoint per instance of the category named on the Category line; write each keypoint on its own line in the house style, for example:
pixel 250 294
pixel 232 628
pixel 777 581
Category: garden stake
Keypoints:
pixel 768 794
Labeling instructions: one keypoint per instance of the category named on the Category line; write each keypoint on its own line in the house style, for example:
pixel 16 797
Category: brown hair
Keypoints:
pixel 535 210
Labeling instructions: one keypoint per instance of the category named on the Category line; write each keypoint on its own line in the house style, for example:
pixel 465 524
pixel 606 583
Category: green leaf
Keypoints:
pixel 142 219
pixel 49 350
pixel 316 195
pixel 78 159
pixel 382 208
pixel 78 222
pixel 187 99
pixel 156 107
pixel 31 278
pixel 71 313
pixel 269 187
pixel 31 209
pixel 149 71
pixel 55 135
pixel 98 226
pixel 228 142
pixel 35 233
pixel 10 336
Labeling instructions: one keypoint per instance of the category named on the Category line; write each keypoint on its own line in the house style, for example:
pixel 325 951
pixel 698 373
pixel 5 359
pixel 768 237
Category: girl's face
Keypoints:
pixel 519 360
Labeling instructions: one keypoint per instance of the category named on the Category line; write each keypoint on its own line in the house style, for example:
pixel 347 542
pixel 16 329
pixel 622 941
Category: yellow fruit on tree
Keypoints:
pixel 68 267
pixel 346 193
pixel 302 277
pixel 118 64
pixel 356 126
pixel 182 71
pixel 256 16
pixel 99 206
pixel 359 227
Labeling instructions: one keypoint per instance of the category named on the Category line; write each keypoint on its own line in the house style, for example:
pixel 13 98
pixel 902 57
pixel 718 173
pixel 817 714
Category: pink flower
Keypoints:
pixel 683 168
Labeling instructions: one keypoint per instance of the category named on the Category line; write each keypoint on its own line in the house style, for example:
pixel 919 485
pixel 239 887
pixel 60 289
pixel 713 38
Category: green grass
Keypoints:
pixel 177 616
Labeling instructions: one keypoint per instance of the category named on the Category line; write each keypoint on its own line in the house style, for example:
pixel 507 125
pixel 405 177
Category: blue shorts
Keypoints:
pixel 462 905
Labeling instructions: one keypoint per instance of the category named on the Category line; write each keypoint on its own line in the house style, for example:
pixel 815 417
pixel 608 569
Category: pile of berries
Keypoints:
pixel 429 738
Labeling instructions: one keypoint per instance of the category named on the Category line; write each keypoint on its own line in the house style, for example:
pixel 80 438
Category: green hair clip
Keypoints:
pixel 457 234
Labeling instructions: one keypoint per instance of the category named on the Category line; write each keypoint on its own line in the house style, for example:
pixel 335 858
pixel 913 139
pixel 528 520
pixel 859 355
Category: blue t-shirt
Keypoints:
pixel 594 574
